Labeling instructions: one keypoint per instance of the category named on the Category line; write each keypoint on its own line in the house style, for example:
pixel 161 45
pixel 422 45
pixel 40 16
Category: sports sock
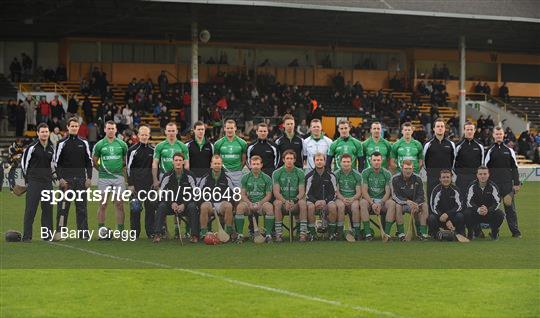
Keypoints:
pixel 356 228
pixel 423 229
pixel 279 229
pixel 388 227
pixel 401 228
pixel 367 228
pixel 311 229
pixel 269 221
pixel 331 228
pixel 239 223
pixel 340 228
pixel 120 227
pixel 228 229
pixel 203 232
pixel 303 226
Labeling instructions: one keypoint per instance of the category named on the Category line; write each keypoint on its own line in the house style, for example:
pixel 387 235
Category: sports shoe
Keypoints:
pixel 369 237
pixel 157 238
pixel 239 239
pixel 401 237
pixel 494 237
pixel 268 239
pixel 312 237
pixel 423 237
pixel 332 237
pixel 194 239
pixel 279 238
pixel 516 235
pixel 303 237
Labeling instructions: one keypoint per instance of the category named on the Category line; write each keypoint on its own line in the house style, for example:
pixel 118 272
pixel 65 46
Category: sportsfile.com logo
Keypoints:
pixel 184 194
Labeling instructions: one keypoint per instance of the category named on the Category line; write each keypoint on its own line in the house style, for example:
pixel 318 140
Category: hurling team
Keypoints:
pixel 317 181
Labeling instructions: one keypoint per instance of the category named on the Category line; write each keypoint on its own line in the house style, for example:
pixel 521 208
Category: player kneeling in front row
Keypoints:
pixel 321 187
pixel 408 194
pixel 289 193
pixel 181 204
pixel 446 206
pixel 483 198
pixel 256 195
pixel 348 192
pixel 220 185
pixel 376 193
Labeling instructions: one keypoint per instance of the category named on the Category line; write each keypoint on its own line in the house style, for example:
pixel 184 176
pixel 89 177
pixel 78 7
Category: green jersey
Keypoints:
pixel 111 157
pixel 231 152
pixel 165 151
pixel 383 146
pixel 256 187
pixel 376 181
pixel 348 182
pixel 289 181
pixel 412 150
pixel 349 145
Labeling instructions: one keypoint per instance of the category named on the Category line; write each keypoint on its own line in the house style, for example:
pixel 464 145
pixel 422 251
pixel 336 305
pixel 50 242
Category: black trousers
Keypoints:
pixel 462 182
pixel 458 220
pixel 190 212
pixel 149 217
pixel 80 206
pixel 432 182
pixel 494 218
pixel 33 199
pixel 510 210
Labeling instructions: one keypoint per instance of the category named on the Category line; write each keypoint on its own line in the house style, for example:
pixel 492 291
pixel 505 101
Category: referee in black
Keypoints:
pixel 73 163
pixel 290 140
pixel 37 171
pixel 469 156
pixel 264 148
pixel 139 172
pixel 483 199
pixel 200 151
pixel 439 154
pixel 503 170
pixel 446 206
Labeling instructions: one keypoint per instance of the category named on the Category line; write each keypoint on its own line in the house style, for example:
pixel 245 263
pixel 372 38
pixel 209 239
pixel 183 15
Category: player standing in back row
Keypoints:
pixel 376 143
pixel 407 148
pixel 345 144
pixel 232 150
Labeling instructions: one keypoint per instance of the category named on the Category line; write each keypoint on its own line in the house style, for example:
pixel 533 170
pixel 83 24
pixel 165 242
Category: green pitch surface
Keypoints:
pixel 320 279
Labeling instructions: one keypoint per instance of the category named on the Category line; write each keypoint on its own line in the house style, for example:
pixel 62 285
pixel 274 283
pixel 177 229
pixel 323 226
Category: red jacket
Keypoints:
pixel 44 108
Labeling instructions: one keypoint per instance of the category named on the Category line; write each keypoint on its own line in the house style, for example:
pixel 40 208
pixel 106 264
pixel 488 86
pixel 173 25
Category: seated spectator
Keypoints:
pixel 302 130
pixel 486 89
pixel 339 82
pixel 55 136
pixel 357 103
pixel 478 88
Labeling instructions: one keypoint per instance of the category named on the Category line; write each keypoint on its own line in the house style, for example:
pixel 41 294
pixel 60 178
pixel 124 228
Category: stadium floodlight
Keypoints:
pixel 204 36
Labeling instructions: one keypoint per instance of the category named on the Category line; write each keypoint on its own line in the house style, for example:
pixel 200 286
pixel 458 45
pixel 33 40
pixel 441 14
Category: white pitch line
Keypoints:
pixel 238 282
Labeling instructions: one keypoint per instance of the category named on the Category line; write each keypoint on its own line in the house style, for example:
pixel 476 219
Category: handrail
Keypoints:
pixel 58 88
pixel 513 109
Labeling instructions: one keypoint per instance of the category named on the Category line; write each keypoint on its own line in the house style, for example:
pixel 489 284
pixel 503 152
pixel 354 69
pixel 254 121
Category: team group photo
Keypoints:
pixel 280 158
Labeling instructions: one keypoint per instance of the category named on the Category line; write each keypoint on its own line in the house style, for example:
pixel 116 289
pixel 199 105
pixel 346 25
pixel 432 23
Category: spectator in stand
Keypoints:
pixel 87 109
pixel 453 124
pixel 120 119
pixel 425 119
pixel 435 72
pixel 525 144
pixel 503 92
pixel 93 135
pixel 486 89
pixel 61 73
pixel 339 82
pixel 481 123
pixel 44 110
pixel 3 120
pixel 136 120
pixel 163 83
pixel 20 117
pixel 85 87
pixel 509 136
pixel 128 115
pixel 15 70
pixel 55 136
pixel 478 88
pixel 164 118
pixel 420 135
pixel 303 129
pixel 26 65
pixel 357 103
pixel 57 109
pixel 30 108
pixel 489 124
pixel 54 124
pixel 107 94
pixel 248 117
pixel 83 130
pixel 73 106
pixel 445 72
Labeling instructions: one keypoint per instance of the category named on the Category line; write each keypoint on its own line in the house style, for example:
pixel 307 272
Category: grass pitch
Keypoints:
pixel 319 279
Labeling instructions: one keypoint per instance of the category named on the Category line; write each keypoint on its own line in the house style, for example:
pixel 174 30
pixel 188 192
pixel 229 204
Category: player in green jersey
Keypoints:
pixel 164 153
pixel 407 148
pixel 375 193
pixel 109 157
pixel 348 193
pixel 233 151
pixel 345 144
pixel 256 195
pixel 376 143
pixel 289 191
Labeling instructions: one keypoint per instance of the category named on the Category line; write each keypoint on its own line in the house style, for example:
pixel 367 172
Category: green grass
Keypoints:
pixel 320 279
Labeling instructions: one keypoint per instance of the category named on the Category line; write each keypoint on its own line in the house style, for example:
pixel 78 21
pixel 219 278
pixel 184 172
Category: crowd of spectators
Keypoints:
pixel 25 70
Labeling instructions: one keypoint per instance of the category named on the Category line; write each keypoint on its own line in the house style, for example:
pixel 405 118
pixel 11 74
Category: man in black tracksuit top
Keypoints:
pixel 503 170
pixel 483 198
pixel 37 171
pixel 439 153
pixel 180 181
pixel 290 140
pixel 73 163
pixel 264 148
pixel 200 151
pixel 469 156
pixel 321 187
pixel 139 174
pixel 446 206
